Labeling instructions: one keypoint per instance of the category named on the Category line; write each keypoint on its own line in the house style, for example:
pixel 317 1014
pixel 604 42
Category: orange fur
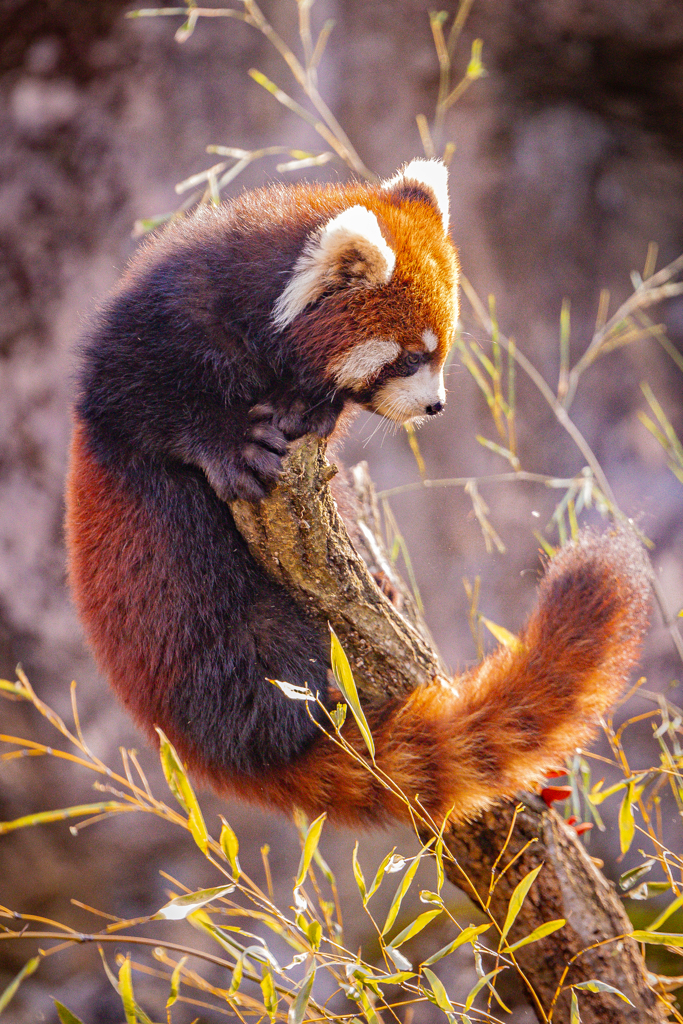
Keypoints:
pixel 500 728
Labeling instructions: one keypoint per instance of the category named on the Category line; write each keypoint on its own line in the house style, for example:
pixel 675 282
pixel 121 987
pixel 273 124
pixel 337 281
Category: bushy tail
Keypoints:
pixel 501 727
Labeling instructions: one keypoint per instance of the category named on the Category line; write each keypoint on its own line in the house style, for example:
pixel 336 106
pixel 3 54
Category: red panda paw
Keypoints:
pixel 295 417
pixel 298 419
pixel 254 470
pixel 262 454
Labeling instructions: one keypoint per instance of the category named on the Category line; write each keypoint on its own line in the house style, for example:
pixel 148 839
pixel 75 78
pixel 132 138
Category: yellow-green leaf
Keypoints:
pixel 65 1015
pixel 438 855
pixel 398 959
pixel 597 794
pixel 200 920
pixel 5 684
pixel 601 986
pixel 629 878
pixel 388 865
pixel 469 934
pixel 426 896
pixel 439 992
pixel 28 969
pixel 658 938
pixel 418 924
pixel 310 845
pixel 236 980
pixel 504 636
pixel 230 847
pixel 538 933
pixel 314 932
pixel 175 982
pixel 179 908
pixel 517 899
pixel 347 684
pixel 358 873
pixel 627 825
pixel 270 999
pixel 474 992
pixel 666 914
pixel 126 992
pixel 403 889
pixel 575 1017
pixel 80 811
pixel 179 785
pixel 367 1007
pixel 297 1010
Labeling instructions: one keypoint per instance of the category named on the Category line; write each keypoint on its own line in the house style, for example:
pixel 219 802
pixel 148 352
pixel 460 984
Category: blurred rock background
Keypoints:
pixel 568 162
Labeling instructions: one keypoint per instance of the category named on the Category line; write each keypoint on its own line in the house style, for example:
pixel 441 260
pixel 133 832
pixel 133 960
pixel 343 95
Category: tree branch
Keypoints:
pixel 297 534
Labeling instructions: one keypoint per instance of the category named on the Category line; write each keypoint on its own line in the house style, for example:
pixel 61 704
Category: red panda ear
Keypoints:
pixel 347 252
pixel 422 181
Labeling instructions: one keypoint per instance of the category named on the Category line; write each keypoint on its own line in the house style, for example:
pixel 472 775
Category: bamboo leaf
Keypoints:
pixel 403 889
pixel 175 982
pixel 413 929
pixel 297 1010
pixel 504 636
pixel 65 1015
pixel 358 874
pixel 25 972
pixel 367 1007
pixel 538 933
pixel 517 899
pixel 389 864
pixel 179 908
pixel 601 986
pixel 347 684
pixel 236 976
pixel 629 878
pixel 230 847
pixel 658 938
pixel 439 992
pixel 666 914
pixel 179 785
pixel 126 992
pixel 81 811
pixel 474 992
pixel 270 999
pixel 469 934
pixel 398 959
pixel 314 932
pixel 627 825
pixel 575 1016
pixel 310 845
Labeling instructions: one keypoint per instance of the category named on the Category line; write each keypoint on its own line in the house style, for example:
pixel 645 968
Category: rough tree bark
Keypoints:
pixel 298 536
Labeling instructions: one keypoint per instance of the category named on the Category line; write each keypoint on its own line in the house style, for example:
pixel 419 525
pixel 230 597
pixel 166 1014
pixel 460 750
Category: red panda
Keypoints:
pixel 232 333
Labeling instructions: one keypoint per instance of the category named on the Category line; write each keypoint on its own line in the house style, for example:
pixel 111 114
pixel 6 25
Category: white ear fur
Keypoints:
pixel 321 264
pixel 433 176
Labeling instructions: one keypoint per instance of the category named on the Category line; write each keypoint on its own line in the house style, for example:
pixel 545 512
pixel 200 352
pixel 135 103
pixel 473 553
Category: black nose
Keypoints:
pixel 432 410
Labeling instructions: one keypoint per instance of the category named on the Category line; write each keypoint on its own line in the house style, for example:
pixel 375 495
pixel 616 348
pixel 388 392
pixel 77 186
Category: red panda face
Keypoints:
pixel 373 295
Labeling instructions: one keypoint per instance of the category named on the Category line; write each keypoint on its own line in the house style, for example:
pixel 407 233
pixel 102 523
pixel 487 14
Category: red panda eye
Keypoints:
pixel 412 359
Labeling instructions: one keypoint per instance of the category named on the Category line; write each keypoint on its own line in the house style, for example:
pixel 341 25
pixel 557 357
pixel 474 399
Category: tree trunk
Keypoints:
pixel 297 534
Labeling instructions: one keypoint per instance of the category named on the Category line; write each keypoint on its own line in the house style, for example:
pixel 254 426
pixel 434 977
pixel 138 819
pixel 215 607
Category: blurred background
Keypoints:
pixel 568 163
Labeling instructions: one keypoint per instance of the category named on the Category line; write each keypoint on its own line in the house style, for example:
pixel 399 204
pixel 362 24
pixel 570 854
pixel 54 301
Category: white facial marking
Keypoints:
pixel 429 340
pixel 356 228
pixel 406 398
pixel 363 361
pixel 431 173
